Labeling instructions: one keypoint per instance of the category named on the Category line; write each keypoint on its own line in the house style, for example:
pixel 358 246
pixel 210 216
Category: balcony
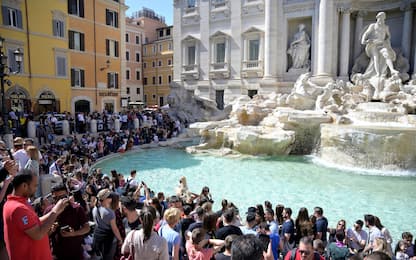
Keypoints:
pixel 190 72
pixel 252 68
pixel 219 70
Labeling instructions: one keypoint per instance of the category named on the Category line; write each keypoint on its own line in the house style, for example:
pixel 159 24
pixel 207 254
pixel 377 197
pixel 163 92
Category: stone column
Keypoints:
pixel 358 30
pixel 117 125
pixel 270 43
pixel 65 128
pixel 136 123
pixel 31 129
pixel 325 39
pixel 93 126
pixel 407 29
pixel 345 43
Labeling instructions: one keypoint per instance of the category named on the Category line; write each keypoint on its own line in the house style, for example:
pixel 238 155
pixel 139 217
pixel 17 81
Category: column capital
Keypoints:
pixel 345 9
pixel 361 13
pixel 406 5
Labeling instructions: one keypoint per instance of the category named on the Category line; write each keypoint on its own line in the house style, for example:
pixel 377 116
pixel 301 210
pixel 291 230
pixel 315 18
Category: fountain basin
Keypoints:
pixel 369 146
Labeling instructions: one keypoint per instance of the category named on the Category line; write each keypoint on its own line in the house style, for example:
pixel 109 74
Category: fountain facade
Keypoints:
pixel 358 112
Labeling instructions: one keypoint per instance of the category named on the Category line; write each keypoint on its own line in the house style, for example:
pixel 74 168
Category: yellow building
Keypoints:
pixel 158 67
pixel 95 46
pixel 39 30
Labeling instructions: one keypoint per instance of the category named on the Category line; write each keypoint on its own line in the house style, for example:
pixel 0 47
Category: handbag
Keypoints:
pixel 130 255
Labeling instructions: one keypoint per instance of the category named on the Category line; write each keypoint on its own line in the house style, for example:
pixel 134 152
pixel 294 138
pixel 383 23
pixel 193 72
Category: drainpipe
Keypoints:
pixel 28 50
pixel 95 62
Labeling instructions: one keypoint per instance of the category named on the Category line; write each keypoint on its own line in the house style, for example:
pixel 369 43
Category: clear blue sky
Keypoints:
pixel 162 7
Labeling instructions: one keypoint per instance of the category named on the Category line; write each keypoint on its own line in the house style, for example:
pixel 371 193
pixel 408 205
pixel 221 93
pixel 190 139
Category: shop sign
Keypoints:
pixel 108 94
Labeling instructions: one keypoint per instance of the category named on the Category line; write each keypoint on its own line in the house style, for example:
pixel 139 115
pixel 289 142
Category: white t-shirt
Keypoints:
pixel 21 157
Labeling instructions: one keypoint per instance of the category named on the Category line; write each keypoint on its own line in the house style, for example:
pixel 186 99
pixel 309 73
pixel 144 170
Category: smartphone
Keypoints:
pixel 10 154
pixel 65 228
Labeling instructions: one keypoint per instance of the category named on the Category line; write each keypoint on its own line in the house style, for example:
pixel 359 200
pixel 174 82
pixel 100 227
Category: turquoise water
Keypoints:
pixel 293 181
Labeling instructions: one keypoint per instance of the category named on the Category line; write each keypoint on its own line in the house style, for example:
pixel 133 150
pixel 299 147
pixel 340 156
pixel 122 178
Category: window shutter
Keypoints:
pixel 82 41
pixel 116 48
pixel 71 39
pixel 108 80
pixel 81 8
pixel 55 27
pixel 72 77
pixel 19 19
pixel 107 47
pixel 107 17
pixel 116 19
pixel 5 14
pixel 82 78
pixel 116 80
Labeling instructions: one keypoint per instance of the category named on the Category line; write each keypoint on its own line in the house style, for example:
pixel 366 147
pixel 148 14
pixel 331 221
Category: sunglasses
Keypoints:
pixel 304 252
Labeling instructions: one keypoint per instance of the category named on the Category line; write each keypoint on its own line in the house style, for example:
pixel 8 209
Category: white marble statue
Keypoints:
pixel 299 49
pixel 378 48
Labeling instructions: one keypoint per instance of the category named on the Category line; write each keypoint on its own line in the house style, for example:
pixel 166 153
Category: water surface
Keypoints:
pixel 293 181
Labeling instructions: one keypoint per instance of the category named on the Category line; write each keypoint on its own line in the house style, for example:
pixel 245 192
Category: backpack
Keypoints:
pixel 293 254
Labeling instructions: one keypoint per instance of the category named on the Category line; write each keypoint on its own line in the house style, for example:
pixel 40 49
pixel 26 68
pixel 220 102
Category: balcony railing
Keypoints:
pixel 189 68
pixel 252 64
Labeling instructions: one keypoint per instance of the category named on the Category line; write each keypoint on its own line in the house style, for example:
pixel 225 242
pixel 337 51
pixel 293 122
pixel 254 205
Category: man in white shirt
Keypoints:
pixel 20 154
pixel 357 237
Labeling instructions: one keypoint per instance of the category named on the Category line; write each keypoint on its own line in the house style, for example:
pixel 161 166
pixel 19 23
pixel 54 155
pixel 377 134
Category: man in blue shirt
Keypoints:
pixel 321 225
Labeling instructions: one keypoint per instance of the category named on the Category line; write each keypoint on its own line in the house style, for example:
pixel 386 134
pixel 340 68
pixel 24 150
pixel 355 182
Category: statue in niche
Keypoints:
pixel 299 49
pixel 378 48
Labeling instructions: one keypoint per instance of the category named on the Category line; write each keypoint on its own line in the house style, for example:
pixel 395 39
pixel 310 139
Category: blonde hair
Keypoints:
pixel 172 216
pixel 33 152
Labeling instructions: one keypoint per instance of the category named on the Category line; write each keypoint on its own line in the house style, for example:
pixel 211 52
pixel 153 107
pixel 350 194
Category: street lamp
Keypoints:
pixel 4 72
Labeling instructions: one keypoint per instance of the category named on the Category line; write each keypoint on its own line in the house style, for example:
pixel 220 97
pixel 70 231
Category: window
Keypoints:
pixel 112 80
pixel 137 40
pixel 12 62
pixel 161 101
pixel 111 48
pixel 191 3
pixel 160 47
pixel 137 57
pixel 170 46
pixel 60 66
pixel 169 62
pixel 153 64
pixel 145 98
pixel 169 78
pixel 167 31
pixel 76 41
pixel 220 48
pixel 191 55
pixel 160 63
pixel 12 17
pixel 111 18
pixel 153 96
pixel 154 80
pixel 218 3
pixel 127 74
pixel 160 80
pixel 77 77
pixel 161 33
pixel 253 51
pixel 127 90
pixel 76 7
pixel 58 28
pixel 144 50
pixel 154 48
pixel 127 55
pixel 127 37
pixel 137 75
pixel 144 81
pixel 144 65
pixel 138 91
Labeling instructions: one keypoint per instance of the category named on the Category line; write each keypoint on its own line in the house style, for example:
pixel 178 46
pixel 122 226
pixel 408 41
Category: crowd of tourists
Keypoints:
pixel 54 206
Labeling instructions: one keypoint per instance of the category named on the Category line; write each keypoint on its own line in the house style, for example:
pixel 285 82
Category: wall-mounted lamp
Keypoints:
pixel 107 65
